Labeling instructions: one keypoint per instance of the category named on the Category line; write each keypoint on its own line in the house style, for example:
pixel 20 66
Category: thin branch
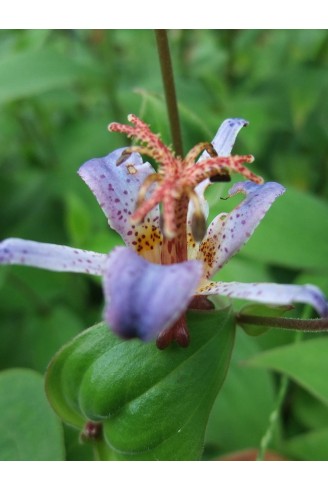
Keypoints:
pixel 314 325
pixel 169 88
pixel 273 419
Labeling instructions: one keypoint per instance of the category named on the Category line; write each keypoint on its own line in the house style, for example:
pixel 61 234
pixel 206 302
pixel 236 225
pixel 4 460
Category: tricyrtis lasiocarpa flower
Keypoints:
pixel 170 256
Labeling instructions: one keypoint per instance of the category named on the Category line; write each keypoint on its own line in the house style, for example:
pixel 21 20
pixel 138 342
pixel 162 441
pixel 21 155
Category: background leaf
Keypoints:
pixel 309 411
pixel 241 411
pixel 310 372
pixel 312 446
pixel 29 430
pixel 32 72
pixel 294 228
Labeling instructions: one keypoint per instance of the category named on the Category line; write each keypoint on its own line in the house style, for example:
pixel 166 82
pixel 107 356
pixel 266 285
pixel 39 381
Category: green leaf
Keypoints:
pixel 241 411
pixel 44 336
pixel 153 404
pixel 153 109
pixel 312 446
pixel 78 219
pixel 76 450
pixel 33 72
pixel 293 233
pixel 305 362
pixel 309 411
pixel 29 430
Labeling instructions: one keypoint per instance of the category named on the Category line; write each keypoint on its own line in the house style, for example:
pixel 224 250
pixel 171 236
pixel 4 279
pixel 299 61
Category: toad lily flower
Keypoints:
pixel 169 256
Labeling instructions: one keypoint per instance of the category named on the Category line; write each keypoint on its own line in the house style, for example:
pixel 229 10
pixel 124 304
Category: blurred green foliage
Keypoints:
pixel 60 89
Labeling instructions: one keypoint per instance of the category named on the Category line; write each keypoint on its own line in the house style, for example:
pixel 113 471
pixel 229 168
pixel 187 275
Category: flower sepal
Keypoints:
pixel 151 404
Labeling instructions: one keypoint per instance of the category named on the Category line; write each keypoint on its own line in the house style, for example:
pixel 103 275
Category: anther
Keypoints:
pixel 198 226
pixel 151 179
pixel 198 220
pixel 124 156
pixel 222 176
pixel 211 150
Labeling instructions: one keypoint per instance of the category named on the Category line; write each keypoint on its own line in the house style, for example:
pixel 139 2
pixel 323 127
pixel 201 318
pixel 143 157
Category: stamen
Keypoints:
pixel 151 179
pixel 138 216
pixel 175 182
pixel 169 214
pixel 211 166
pixel 195 151
pixel 143 150
pixel 154 145
pixel 211 150
pixel 222 176
pixel 198 221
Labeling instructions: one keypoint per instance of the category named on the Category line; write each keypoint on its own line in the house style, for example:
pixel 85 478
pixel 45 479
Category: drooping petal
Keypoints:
pixel 223 143
pixel 226 136
pixel 142 299
pixel 229 232
pixel 271 294
pixel 51 257
pixel 116 190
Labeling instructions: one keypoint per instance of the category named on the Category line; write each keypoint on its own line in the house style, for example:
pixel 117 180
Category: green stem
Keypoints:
pixel 169 88
pixel 266 439
pixel 314 325
pixel 274 416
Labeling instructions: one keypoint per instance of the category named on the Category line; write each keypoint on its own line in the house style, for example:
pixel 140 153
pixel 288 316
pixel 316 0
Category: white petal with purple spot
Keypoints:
pixel 232 232
pixel 116 189
pixel 142 299
pixel 226 136
pixel 51 257
pixel 223 143
pixel 271 294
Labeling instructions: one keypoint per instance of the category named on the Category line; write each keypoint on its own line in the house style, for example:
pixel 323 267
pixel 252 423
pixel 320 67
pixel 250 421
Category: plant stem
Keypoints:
pixel 314 325
pixel 169 89
pixel 266 439
pixel 274 416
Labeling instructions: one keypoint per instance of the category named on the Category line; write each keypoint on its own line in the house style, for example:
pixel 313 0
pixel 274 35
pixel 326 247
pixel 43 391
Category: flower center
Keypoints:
pixel 173 186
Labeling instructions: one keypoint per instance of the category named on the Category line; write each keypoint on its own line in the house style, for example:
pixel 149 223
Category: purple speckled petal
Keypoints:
pixel 51 257
pixel 271 294
pixel 142 298
pixel 226 136
pixel 223 143
pixel 229 232
pixel 116 190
